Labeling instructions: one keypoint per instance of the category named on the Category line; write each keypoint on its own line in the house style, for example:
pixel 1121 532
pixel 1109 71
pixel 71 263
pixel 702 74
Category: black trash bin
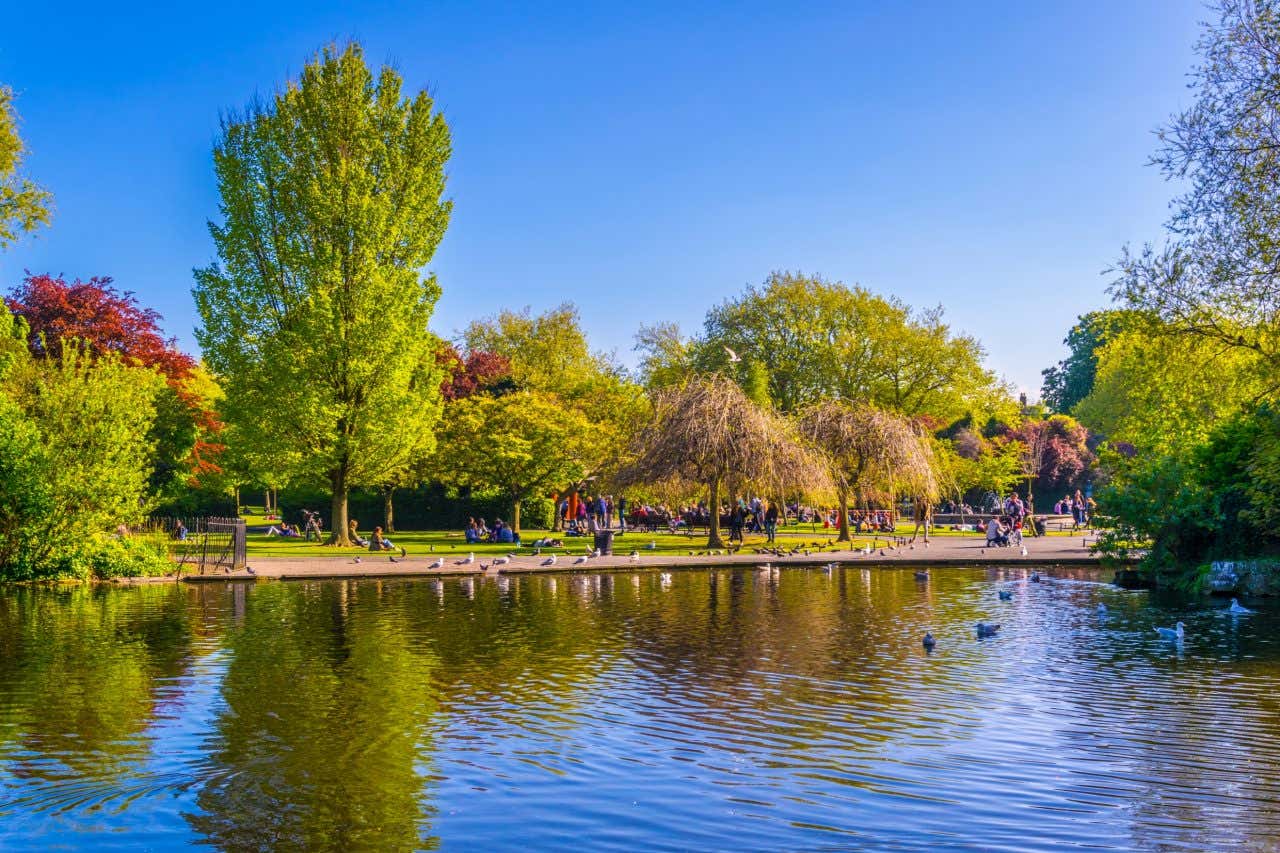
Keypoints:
pixel 1040 527
pixel 604 543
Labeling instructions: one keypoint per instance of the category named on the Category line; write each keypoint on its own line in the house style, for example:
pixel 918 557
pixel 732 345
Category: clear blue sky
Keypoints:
pixel 648 160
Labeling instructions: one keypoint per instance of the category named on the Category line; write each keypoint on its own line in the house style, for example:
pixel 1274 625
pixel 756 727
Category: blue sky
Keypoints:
pixel 646 161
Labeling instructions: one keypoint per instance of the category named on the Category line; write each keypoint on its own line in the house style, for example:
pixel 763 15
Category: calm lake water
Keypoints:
pixel 704 710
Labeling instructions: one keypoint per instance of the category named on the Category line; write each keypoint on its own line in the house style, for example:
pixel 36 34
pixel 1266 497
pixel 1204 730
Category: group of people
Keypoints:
pixel 478 531
pixel 1077 506
pixel 1002 532
pixel 579 514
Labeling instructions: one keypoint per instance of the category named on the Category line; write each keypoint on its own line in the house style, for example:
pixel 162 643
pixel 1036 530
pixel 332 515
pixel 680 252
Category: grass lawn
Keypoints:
pixel 448 543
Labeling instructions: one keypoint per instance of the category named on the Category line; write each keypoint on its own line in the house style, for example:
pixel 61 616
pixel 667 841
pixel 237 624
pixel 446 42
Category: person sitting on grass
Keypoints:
pixel 378 542
pixel 286 530
pixel 353 535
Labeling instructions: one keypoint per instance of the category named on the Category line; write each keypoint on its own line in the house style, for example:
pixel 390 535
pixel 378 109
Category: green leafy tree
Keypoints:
pixel 1160 391
pixel 1070 380
pixel 807 339
pixel 315 318
pixel 666 357
pixel 547 351
pixel 522 445
pixel 1216 278
pixel 24 207
pixel 75 452
pixel 549 354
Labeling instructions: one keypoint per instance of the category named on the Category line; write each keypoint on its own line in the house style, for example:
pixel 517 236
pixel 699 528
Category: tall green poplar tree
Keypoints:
pixel 315 317
pixel 23 205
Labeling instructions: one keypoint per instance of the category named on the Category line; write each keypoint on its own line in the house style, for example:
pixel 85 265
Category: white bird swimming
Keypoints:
pixel 437 564
pixel 1176 633
pixel 734 358
pixel 550 561
pixel 1237 607
pixel 665 577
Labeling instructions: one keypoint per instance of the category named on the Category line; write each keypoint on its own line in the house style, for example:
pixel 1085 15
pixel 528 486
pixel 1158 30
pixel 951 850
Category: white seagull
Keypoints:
pixel 733 356
pixel 1237 607
pixel 1172 633
pixel 550 561
pixel 438 564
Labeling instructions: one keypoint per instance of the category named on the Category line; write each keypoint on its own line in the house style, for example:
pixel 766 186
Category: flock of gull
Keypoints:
pixel 986 630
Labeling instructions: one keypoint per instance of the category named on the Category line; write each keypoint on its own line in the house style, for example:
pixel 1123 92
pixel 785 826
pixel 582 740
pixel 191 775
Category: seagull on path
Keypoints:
pixel 635 556
pixel 550 561
pixel 501 561
pixel 468 560
pixel 582 559
pixel 438 563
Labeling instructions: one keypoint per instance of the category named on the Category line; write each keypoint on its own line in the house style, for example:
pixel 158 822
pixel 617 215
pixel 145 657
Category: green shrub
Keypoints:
pixel 112 557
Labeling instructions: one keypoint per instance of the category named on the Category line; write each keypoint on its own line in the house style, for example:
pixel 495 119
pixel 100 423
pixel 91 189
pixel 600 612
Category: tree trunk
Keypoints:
pixel 338 509
pixel 842 498
pixel 388 511
pixel 515 515
pixel 237 500
pixel 266 502
pixel 713 538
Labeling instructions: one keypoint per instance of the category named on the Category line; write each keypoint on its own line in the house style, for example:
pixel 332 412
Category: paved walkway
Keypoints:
pixel 942 551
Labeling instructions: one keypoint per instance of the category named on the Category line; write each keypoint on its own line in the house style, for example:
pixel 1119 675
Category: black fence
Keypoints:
pixel 203 545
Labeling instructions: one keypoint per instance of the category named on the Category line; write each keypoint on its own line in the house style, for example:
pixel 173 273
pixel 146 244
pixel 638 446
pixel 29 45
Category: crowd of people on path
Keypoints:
pixel 578 514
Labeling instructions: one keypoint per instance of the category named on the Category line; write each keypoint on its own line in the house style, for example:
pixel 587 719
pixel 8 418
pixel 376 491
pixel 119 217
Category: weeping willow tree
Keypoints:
pixel 870 454
pixel 707 434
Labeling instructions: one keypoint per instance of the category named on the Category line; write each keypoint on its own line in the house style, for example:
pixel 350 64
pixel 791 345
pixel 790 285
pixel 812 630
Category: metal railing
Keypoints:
pixel 204 545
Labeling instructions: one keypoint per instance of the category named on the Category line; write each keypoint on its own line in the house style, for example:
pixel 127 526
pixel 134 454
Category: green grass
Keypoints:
pixel 447 543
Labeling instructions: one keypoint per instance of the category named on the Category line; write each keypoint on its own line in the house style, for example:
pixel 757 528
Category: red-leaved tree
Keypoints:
pixel 101 316
pixel 479 372
pixel 108 320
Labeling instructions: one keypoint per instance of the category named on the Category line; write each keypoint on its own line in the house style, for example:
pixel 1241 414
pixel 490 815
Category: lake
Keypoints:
pixel 698 710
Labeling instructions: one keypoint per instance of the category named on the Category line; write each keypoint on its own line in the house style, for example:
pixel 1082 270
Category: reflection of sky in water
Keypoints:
pixel 703 709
